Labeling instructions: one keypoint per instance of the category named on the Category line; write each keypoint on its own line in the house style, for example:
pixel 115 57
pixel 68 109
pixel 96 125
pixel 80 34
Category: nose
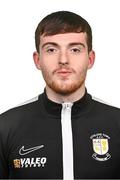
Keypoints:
pixel 63 59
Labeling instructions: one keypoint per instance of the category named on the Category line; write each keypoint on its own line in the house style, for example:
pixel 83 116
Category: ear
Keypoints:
pixel 36 59
pixel 91 59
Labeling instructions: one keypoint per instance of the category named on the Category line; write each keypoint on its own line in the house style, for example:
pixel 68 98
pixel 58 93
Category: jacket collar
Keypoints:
pixel 79 107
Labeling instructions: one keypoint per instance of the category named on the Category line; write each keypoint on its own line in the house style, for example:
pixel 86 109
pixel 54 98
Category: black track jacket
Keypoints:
pixel 31 140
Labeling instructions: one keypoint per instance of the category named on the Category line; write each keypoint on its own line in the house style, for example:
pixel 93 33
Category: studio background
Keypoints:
pixel 19 78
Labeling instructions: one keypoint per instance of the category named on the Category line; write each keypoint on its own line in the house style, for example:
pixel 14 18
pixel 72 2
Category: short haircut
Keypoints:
pixel 63 22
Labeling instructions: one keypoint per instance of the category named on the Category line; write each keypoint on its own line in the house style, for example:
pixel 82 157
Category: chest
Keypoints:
pixel 35 149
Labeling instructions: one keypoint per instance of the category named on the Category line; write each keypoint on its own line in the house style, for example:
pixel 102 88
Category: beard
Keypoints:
pixel 65 86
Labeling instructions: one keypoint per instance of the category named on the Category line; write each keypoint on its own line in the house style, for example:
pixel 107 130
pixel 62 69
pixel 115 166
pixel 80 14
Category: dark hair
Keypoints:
pixel 63 22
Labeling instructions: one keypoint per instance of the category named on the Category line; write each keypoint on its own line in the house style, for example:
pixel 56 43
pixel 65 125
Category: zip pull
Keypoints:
pixel 67 140
pixel 67 105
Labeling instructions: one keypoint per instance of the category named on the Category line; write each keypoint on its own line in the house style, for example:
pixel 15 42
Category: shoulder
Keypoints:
pixel 18 111
pixel 16 119
pixel 105 107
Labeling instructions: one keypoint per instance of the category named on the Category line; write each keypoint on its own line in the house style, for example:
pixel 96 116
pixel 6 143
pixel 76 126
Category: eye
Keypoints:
pixel 76 50
pixel 51 50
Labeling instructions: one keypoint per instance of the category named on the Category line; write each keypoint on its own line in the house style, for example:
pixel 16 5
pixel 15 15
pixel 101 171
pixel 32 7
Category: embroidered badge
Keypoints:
pixel 100 144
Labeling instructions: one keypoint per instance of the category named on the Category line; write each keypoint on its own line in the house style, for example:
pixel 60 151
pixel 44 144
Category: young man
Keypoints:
pixel 64 133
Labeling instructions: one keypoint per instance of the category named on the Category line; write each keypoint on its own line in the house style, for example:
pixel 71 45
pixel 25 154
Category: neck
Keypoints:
pixel 58 98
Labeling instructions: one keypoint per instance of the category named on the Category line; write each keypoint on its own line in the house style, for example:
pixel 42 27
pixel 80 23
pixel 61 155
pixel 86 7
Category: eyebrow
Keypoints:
pixel 50 43
pixel 69 45
pixel 77 43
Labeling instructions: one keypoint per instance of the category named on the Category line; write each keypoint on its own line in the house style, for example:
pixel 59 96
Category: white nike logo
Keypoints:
pixel 23 151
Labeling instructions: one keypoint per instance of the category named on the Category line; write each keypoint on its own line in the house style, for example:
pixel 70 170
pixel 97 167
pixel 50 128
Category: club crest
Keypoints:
pixel 100 144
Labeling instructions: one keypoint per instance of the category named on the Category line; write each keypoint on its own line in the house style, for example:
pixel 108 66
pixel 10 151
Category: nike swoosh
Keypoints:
pixel 23 151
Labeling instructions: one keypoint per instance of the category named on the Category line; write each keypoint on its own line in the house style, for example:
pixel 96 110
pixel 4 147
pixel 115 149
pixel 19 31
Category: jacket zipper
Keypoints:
pixel 67 141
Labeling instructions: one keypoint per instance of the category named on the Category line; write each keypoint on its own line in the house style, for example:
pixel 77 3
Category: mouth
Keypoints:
pixel 63 72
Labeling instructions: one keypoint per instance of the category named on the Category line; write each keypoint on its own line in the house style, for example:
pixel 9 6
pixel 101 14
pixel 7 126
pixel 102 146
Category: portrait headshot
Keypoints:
pixel 59 73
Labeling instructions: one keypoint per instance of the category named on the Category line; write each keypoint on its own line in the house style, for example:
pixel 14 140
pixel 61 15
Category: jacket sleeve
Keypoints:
pixel 3 158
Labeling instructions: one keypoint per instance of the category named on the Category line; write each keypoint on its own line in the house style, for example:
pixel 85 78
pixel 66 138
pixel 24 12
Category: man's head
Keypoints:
pixel 63 22
pixel 64 51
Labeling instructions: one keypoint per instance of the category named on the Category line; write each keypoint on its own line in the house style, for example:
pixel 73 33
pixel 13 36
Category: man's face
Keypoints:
pixel 64 61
